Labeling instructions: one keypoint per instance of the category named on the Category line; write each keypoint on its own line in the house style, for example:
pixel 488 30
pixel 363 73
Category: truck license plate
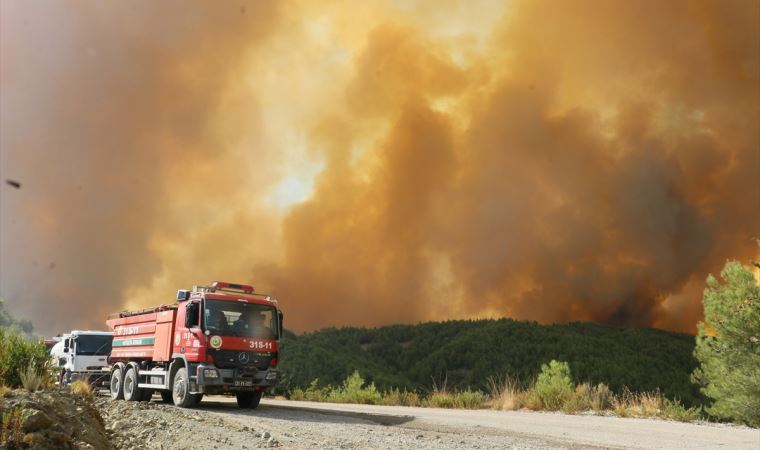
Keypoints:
pixel 244 383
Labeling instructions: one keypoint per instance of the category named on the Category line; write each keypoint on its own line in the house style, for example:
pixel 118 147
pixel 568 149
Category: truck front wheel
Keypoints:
pixel 117 387
pixel 248 399
pixel 181 390
pixel 132 393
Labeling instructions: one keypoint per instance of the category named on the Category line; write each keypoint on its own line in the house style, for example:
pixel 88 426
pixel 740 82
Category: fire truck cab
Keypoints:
pixel 217 339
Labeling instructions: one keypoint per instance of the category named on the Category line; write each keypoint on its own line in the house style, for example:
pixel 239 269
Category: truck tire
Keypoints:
pixel 132 393
pixel 117 387
pixel 248 399
pixel 166 396
pixel 181 390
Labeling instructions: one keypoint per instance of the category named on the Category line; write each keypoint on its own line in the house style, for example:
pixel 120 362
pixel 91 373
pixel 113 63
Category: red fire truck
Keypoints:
pixel 217 339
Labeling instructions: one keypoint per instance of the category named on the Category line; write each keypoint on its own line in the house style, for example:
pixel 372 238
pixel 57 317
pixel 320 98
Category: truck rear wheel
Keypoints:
pixel 117 387
pixel 132 393
pixel 181 390
pixel 248 399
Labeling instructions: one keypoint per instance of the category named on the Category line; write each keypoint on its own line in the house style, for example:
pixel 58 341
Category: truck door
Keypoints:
pixel 188 335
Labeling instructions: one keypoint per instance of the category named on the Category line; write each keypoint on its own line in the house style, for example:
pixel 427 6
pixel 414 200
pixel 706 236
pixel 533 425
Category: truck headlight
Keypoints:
pixel 210 373
pixel 271 376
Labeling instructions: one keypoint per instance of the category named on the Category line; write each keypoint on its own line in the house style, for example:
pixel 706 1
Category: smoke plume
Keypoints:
pixel 373 163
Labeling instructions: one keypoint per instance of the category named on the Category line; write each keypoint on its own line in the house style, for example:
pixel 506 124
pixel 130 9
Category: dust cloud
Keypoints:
pixel 379 162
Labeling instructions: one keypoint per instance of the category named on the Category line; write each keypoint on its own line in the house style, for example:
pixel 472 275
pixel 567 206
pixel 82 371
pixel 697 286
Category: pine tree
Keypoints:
pixel 728 345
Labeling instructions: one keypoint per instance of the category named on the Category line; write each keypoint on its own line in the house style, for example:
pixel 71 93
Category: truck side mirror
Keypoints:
pixel 279 328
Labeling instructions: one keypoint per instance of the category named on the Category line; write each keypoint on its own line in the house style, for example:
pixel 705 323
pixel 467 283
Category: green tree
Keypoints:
pixel 7 321
pixel 728 345
pixel 554 384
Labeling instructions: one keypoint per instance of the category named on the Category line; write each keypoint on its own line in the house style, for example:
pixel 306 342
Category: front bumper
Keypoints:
pixel 233 380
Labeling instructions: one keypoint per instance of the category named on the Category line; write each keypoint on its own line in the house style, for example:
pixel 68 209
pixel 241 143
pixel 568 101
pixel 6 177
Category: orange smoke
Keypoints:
pixel 374 163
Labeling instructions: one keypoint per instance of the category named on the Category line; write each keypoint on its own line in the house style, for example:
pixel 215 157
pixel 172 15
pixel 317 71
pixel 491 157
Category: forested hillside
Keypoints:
pixel 467 353
pixel 7 321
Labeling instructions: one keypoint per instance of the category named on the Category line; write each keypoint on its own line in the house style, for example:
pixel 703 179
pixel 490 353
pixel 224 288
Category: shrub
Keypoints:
pixel 17 354
pixel 554 386
pixel 468 399
pixel 297 394
pixel 313 393
pixel 672 409
pixel 82 389
pixel 440 397
pixel 728 345
pixel 443 398
pixel 353 391
pixel 395 397
pixel 588 398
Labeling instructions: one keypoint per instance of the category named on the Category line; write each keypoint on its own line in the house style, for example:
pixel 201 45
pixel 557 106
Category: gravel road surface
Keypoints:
pixel 219 423
pixel 325 425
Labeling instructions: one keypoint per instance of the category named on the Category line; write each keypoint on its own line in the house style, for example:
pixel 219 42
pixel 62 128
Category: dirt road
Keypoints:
pixel 218 423
pixel 306 424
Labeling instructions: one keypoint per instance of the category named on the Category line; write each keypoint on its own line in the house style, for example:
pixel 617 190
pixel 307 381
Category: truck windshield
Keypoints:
pixel 240 319
pixel 94 345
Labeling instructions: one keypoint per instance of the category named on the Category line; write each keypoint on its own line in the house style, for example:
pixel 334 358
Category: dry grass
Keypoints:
pixel 4 390
pixel 466 399
pixel 82 389
pixel 642 404
pixel 443 397
pixel 505 394
pixel 601 398
pixel 11 432
pixel 33 377
pixel 396 397
pixel 588 398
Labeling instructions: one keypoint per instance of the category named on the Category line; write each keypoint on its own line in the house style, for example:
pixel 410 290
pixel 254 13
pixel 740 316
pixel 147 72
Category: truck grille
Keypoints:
pixel 233 359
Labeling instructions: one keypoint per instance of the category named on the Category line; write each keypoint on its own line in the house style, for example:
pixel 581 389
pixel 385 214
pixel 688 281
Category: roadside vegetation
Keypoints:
pixel 553 390
pixel 470 352
pixel 24 362
pixel 509 365
pixel 34 413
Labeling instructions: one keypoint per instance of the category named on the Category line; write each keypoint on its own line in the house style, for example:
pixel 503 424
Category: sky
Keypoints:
pixel 378 162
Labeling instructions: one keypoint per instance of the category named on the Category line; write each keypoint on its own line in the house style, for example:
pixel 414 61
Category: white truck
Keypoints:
pixel 83 355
